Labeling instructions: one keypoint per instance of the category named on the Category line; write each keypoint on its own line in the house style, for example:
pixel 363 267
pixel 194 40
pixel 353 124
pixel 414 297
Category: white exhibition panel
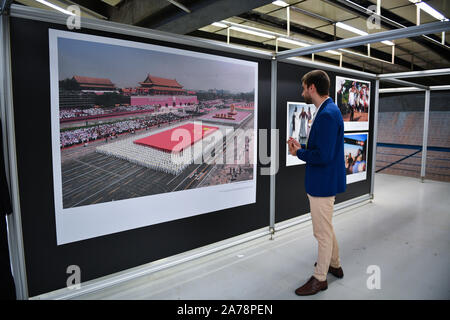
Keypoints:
pixel 84 222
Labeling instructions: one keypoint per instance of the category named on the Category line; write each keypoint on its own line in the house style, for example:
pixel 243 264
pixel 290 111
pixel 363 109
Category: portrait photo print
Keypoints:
pixel 298 124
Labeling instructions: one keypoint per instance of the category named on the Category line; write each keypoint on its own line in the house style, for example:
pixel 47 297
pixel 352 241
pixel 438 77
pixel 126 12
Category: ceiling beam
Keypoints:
pixel 206 12
pixel 391 21
pixel 370 67
pixel 416 74
pixel 5 5
pixel 164 16
pixel 98 7
pixel 179 5
pixel 323 36
pixel 433 27
pixel 133 12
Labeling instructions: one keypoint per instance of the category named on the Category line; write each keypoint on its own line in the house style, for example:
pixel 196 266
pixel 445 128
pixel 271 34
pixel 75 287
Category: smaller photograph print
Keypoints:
pixel 355 152
pixel 299 120
pixel 353 99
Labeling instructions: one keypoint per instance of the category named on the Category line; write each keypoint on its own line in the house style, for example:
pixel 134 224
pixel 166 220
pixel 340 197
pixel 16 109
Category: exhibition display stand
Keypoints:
pixel 42 263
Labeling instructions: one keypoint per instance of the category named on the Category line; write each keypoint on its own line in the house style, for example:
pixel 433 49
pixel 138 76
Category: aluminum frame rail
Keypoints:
pixel 16 238
pixel 14 221
pixel 375 138
pixel 415 74
pixel 426 122
pixel 416 87
pixel 404 83
pixel 434 27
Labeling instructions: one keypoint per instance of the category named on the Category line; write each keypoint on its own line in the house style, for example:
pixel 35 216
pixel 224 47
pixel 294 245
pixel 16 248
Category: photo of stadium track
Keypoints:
pixel 104 126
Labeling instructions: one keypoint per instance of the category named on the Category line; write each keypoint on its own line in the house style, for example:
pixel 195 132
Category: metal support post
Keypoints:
pixel 273 126
pixel 426 117
pixel 15 237
pixel 374 139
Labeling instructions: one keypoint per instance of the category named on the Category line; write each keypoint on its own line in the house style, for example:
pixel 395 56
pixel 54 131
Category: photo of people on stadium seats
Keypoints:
pixel 353 99
pixel 140 121
pixel 355 153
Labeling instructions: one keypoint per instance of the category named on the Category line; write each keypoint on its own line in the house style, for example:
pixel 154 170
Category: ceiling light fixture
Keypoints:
pixel 255 33
pixel 220 25
pixel 333 52
pixel 351 29
pixel 429 9
pixel 298 43
pixel 51 5
pixel 360 32
pixel 303 44
pixel 280 3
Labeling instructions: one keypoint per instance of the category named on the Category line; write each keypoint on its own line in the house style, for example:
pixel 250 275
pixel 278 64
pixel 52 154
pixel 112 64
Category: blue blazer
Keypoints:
pixel 324 155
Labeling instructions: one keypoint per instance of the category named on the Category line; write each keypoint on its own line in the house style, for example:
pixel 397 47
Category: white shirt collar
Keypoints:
pixel 322 104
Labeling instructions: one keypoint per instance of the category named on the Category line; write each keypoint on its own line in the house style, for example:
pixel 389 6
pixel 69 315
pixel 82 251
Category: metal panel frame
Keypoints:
pixel 19 11
pixel 434 27
pixel 273 126
pixel 426 121
pixel 414 89
pixel 16 239
pixel 415 74
pixel 14 221
pixel 319 65
pixel 417 87
pixel 375 138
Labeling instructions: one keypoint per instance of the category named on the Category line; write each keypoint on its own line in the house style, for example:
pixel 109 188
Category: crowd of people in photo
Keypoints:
pixel 144 156
pixel 357 101
pixel 168 162
pixel 79 112
pixel 82 135
pixel 212 102
pixel 355 164
pixel 72 113
pixel 69 113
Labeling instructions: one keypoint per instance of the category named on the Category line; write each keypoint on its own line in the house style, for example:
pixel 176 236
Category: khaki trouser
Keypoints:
pixel 321 215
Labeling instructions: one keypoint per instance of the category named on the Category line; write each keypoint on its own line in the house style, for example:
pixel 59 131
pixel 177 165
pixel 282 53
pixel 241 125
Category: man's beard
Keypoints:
pixel 308 100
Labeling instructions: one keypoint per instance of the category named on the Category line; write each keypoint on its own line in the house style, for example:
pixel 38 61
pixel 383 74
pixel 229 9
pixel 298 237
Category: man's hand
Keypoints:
pixel 294 146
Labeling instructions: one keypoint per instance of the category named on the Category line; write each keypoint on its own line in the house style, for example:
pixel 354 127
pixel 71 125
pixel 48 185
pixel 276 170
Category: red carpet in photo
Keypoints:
pixel 163 140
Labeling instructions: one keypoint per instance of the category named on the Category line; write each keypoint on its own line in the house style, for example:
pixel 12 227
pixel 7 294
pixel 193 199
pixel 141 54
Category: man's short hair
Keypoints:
pixel 319 79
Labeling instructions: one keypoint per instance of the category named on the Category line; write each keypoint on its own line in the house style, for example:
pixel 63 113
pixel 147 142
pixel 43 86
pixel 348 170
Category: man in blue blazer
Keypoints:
pixel 325 175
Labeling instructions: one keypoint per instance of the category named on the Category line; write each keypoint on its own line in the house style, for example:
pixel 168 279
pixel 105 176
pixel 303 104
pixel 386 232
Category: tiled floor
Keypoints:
pixel 404 231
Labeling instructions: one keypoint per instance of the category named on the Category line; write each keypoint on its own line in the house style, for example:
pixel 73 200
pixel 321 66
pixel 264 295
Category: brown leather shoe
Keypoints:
pixel 312 287
pixel 337 272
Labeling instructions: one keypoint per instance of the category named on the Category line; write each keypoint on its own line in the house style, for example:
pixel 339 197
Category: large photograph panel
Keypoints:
pixel 353 99
pixel 144 134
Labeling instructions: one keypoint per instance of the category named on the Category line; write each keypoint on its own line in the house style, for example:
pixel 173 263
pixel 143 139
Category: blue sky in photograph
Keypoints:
pixel 351 148
pixel 126 66
pixel 360 137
